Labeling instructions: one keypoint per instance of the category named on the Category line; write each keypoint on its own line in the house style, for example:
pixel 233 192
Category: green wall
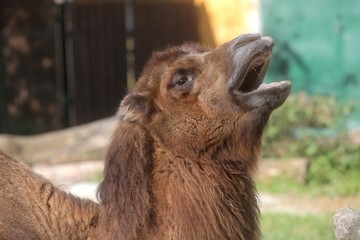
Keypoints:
pixel 317 45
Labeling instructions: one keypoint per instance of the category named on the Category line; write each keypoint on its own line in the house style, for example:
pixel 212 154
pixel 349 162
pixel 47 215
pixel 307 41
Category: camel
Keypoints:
pixel 181 160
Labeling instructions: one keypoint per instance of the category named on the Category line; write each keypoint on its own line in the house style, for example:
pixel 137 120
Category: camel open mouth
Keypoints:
pixel 251 59
pixel 254 76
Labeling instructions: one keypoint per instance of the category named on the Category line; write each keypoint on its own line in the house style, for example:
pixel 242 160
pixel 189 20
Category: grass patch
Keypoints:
pixel 281 226
pixel 344 186
pixel 315 127
pixel 287 185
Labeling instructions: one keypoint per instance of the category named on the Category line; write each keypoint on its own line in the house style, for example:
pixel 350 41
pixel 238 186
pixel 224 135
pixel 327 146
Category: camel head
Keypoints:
pixel 195 99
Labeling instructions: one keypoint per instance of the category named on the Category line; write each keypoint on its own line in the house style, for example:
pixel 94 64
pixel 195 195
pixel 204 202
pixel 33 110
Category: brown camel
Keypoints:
pixel 181 159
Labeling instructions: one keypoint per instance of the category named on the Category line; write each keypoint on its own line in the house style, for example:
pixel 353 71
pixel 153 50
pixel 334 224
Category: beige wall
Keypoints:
pixel 219 20
pixel 230 18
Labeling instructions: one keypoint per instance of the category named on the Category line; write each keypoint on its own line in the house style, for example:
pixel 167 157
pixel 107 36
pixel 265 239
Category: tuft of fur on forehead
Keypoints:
pixel 172 53
pixel 168 56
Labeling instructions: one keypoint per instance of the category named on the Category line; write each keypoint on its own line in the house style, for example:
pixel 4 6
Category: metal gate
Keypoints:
pixel 63 65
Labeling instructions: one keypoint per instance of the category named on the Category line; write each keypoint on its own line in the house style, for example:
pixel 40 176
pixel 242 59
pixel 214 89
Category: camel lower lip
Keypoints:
pixel 265 87
pixel 266 97
pixel 268 85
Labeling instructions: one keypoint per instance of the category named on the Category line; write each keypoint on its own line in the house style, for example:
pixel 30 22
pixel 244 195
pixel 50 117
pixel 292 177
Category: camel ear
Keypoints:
pixel 136 108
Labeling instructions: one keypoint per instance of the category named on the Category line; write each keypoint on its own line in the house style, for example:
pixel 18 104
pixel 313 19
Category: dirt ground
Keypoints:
pixel 306 204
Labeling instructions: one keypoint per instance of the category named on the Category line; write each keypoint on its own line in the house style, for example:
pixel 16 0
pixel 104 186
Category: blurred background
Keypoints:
pixel 58 57
pixel 68 63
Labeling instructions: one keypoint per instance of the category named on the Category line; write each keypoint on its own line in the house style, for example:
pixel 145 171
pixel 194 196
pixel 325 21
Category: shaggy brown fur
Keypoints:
pixel 181 159
pixel 32 208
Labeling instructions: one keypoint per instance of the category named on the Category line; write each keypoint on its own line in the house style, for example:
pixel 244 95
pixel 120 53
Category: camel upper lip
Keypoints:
pixel 251 61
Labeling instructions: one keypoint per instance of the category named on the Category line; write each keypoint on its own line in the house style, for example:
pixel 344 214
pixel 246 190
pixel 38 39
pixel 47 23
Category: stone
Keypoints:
pixel 347 224
pixel 84 142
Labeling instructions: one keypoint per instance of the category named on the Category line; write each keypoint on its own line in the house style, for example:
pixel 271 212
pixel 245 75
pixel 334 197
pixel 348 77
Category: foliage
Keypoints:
pixel 280 226
pixel 315 127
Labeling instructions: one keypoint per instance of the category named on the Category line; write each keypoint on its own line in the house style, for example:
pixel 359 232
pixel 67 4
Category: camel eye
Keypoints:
pixel 182 80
